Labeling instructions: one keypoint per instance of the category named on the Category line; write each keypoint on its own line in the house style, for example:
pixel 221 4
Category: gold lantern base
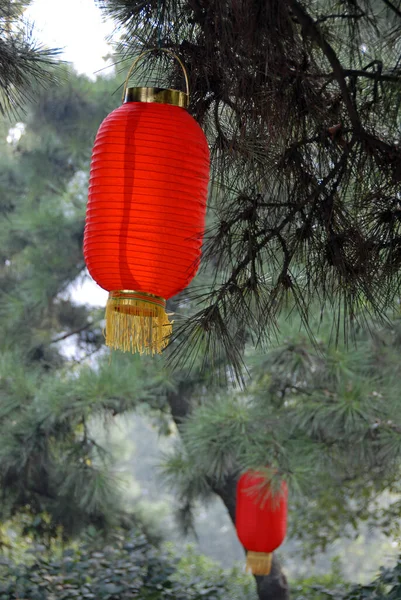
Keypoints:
pixel 137 322
pixel 259 563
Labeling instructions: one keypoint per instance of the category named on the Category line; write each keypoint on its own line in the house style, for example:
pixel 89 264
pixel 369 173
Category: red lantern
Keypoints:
pixel 261 520
pixel 146 212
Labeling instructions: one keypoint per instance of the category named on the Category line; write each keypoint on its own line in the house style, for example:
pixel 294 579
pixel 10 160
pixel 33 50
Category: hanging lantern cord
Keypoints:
pixel 167 51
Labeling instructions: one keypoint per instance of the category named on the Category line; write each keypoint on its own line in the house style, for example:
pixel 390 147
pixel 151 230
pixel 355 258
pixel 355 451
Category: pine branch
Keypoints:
pixel 24 64
pixel 352 17
pixel 377 76
pixel 302 161
pixel 392 7
pixel 65 336
pixel 311 29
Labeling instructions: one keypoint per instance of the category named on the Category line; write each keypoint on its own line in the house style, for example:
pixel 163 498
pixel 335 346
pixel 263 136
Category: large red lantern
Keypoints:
pixel 260 520
pixel 146 212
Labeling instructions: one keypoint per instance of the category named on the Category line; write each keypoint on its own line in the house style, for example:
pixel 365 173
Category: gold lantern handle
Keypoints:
pixel 167 51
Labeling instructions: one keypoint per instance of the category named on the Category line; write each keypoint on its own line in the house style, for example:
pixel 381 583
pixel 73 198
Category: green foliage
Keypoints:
pixel 387 586
pixel 321 587
pixel 49 459
pixel 129 567
pixel 326 419
pixel 200 575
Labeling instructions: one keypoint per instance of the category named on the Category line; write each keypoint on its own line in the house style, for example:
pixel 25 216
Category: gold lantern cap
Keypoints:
pixel 158 95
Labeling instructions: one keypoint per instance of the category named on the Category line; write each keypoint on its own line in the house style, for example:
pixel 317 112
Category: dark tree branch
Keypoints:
pixel 324 18
pixel 71 333
pixel 312 30
pixel 391 6
pixel 369 75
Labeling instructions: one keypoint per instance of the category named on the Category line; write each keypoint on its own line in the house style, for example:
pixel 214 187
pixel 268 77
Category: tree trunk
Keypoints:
pixel 270 587
pixel 273 586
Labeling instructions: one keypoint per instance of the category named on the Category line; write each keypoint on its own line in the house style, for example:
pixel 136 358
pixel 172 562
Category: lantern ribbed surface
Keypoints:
pixel 146 211
pixel 147 199
pixel 261 519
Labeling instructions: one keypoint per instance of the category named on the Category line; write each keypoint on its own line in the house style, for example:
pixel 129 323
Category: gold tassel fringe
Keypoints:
pixel 137 322
pixel 259 563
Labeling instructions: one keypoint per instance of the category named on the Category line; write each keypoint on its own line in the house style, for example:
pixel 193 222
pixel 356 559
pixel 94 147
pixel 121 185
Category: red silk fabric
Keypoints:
pixel 260 520
pixel 147 199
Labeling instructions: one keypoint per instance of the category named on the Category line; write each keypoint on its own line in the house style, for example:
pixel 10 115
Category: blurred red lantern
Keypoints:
pixel 146 212
pixel 260 520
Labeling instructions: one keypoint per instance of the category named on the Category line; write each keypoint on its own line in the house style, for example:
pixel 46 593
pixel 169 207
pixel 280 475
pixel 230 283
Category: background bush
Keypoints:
pixel 129 568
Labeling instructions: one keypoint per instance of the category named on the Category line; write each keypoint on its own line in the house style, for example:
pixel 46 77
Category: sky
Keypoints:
pixel 75 25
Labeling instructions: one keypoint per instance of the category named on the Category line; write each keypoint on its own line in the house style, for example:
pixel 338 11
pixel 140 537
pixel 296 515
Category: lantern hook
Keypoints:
pixel 138 58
